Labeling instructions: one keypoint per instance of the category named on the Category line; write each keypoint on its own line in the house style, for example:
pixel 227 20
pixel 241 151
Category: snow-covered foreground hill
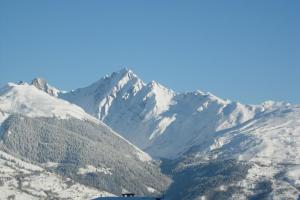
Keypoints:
pixel 26 181
pixel 41 128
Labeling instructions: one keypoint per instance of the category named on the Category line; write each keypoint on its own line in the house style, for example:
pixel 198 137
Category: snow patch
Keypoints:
pixel 150 189
pixel 93 169
pixel 23 180
pixel 28 100
pixel 162 126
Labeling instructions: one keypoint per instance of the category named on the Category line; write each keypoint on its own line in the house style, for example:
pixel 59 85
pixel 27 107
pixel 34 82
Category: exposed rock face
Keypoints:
pixel 42 84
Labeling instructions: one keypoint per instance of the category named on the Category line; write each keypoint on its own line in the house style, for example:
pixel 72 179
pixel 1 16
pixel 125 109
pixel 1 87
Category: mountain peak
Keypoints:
pixel 39 82
pixel 159 88
pixel 31 101
pixel 122 75
pixel 43 85
pixel 125 72
pixel 153 84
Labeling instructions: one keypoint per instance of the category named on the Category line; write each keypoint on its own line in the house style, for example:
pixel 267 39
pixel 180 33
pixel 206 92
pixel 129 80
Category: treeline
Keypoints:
pixel 74 144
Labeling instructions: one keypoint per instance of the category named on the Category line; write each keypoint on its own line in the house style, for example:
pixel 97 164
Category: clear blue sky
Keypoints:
pixel 242 50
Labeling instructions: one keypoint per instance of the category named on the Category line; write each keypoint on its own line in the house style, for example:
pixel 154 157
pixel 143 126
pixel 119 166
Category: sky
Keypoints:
pixel 247 51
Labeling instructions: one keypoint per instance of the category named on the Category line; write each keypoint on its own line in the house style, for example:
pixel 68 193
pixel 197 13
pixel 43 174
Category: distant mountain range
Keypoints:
pixel 212 148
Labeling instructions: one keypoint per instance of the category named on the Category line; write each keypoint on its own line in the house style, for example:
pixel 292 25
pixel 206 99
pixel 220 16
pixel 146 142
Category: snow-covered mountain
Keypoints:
pixel 27 100
pixel 41 128
pixel 258 159
pixel 126 103
pixel 211 147
pixel 163 123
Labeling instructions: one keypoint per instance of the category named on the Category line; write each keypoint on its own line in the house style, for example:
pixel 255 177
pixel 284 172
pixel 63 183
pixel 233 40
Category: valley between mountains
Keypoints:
pixel 121 134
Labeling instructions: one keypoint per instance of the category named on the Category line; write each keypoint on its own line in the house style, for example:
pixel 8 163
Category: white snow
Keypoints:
pixel 294 175
pixel 168 124
pixel 271 142
pixel 93 169
pixel 162 126
pixel 142 155
pixel 22 180
pixel 28 100
pixel 164 123
pixel 150 189
pixel 50 164
pixel 157 98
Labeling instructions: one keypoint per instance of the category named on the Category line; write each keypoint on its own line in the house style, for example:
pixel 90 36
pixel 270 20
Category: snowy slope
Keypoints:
pixel 42 128
pixel 222 149
pixel 125 102
pixel 155 118
pixel 258 159
pixel 272 143
pixel 23 180
pixel 28 100
pixel 274 135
